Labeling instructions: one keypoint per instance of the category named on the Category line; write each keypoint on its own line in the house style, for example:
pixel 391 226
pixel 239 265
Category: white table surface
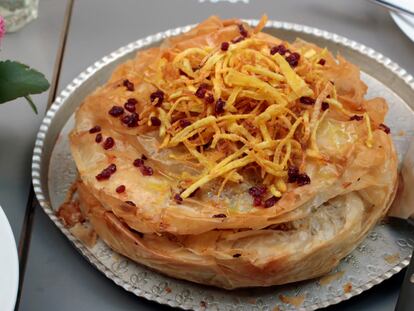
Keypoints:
pixel 57 277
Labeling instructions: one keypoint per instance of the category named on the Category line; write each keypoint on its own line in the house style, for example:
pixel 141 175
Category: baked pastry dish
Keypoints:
pixel 232 158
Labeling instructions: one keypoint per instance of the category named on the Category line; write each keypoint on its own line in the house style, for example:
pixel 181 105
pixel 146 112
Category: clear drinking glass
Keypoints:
pixel 18 13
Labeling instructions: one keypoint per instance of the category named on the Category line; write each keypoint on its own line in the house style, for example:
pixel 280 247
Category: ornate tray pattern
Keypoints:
pixel 385 251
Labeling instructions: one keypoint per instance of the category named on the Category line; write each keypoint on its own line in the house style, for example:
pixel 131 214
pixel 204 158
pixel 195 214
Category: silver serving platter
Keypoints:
pixel 385 251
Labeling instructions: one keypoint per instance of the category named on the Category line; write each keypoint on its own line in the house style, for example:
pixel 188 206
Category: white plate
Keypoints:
pixel 404 21
pixel 9 265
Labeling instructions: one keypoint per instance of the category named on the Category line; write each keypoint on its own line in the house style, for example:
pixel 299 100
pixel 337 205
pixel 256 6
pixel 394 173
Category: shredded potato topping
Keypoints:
pixel 226 156
pixel 244 106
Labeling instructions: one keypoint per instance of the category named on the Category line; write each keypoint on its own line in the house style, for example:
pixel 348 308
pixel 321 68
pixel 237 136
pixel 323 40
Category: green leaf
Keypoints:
pixel 31 103
pixel 18 80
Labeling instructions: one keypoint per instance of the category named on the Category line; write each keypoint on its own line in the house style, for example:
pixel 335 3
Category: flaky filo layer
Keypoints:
pixel 291 251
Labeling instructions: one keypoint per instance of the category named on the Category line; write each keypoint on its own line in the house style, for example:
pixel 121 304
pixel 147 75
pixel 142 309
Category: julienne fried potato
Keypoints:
pixel 229 157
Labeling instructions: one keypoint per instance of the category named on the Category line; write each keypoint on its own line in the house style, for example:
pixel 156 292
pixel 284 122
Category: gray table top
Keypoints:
pixel 57 277
pixel 36 45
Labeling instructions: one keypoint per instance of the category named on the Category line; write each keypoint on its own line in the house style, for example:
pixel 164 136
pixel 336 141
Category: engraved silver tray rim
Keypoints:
pixel 38 162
